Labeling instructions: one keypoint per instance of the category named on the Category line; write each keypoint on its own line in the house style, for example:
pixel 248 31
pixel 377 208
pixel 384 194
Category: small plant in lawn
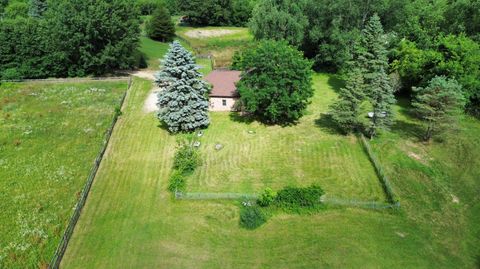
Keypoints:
pixel 267 197
pixel 186 159
pixel 177 181
pixel 294 198
pixel 251 216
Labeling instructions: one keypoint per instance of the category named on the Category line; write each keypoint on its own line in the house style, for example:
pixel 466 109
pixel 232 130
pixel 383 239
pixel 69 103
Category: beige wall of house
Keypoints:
pixel 222 104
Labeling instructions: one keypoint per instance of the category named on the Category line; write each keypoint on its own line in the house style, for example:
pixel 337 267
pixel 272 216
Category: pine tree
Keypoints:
pixel 346 110
pixel 372 59
pixel 160 27
pixel 382 98
pixel 438 104
pixel 183 102
pixel 37 8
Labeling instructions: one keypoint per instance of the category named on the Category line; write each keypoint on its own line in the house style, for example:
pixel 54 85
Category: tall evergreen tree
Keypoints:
pixel 438 104
pixel 345 111
pixel 372 59
pixel 37 8
pixel 160 27
pixel 183 103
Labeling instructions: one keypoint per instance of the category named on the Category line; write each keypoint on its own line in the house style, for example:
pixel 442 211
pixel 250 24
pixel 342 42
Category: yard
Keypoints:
pixel 131 220
pixel 50 135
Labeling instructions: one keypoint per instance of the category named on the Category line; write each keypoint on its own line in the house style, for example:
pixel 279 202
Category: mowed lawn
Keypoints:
pixel 50 135
pixel 131 221
pixel 275 156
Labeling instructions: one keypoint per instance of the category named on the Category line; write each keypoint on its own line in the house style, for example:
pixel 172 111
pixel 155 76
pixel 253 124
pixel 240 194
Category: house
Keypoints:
pixel 224 93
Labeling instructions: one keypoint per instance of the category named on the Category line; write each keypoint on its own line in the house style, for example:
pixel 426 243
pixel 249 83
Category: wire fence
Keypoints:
pixel 61 80
pixel 357 203
pixel 387 187
pixel 57 257
pixel 214 196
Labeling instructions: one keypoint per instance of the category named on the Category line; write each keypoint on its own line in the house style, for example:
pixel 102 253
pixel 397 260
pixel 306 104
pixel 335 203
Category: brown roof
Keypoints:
pixel 223 82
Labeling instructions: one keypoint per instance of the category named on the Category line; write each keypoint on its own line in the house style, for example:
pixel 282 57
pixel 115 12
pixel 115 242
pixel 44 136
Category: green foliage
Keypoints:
pixel 452 56
pixel 37 8
pixel 372 61
pixel 279 20
pixel 438 105
pixel 251 217
pixel 59 44
pixel 147 7
pixel 177 181
pixel 295 198
pixel 345 112
pixel 276 85
pixel 186 159
pixel 16 9
pixel 216 12
pixel 183 104
pixel 160 27
pixel 267 197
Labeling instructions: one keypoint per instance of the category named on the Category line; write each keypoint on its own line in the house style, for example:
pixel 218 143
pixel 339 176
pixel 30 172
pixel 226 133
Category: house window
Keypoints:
pixel 224 102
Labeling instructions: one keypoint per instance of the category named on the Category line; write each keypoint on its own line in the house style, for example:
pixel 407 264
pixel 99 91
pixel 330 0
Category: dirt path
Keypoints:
pixel 146 74
pixel 150 104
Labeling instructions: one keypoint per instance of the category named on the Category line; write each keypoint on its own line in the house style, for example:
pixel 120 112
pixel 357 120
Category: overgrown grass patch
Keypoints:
pixel 50 135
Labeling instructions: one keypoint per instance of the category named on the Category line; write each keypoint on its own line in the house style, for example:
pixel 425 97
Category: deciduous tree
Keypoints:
pixel 276 83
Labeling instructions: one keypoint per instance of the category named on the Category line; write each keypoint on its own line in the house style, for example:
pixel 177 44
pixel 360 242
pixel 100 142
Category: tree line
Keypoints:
pixel 64 38
pixel 424 39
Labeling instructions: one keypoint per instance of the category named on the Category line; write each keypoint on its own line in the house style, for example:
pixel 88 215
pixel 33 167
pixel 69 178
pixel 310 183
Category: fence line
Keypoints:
pixel 57 257
pixel 387 187
pixel 214 196
pixel 70 79
pixel 357 203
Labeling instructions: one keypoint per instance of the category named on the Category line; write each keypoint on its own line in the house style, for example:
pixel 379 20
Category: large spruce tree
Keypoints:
pixel 372 59
pixel 183 102
pixel 160 27
pixel 345 112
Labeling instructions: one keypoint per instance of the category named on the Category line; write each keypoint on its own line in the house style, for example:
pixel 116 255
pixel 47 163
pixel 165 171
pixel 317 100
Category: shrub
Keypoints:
pixel 252 217
pixel 296 198
pixel 267 197
pixel 186 159
pixel 177 182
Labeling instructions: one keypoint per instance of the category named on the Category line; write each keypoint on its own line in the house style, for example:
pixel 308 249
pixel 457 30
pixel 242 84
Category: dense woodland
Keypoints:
pixel 423 38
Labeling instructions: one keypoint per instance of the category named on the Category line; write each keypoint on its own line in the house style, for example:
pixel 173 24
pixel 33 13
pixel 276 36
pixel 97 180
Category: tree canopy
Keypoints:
pixel 57 44
pixel 276 82
pixel 161 27
pixel 438 105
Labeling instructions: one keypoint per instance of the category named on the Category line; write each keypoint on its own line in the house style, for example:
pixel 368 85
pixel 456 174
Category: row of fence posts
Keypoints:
pixel 57 257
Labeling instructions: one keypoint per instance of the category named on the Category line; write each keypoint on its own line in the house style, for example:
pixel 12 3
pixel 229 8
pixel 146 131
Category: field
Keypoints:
pixel 130 219
pixel 50 134
pixel 221 42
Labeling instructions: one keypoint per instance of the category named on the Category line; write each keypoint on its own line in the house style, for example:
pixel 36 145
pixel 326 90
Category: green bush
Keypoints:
pixel 177 182
pixel 186 159
pixel 267 197
pixel 296 198
pixel 251 217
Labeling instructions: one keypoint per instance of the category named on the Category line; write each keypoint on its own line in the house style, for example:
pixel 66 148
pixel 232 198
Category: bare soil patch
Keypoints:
pixel 210 33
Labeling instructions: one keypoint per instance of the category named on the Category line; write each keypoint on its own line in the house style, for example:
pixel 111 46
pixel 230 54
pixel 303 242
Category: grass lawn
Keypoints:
pixel 222 46
pixel 131 221
pixel 50 135
pixel 279 156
